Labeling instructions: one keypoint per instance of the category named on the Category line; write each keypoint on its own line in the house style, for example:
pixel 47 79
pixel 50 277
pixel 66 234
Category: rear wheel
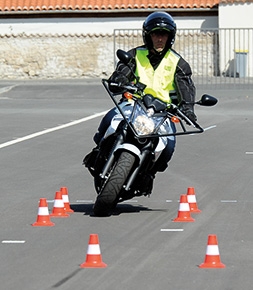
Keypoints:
pixel 108 197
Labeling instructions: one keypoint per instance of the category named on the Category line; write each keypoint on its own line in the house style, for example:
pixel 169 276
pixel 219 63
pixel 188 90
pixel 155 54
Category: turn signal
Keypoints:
pixel 128 96
pixel 174 119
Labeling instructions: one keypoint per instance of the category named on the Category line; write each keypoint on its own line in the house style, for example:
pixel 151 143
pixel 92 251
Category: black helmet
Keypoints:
pixel 159 21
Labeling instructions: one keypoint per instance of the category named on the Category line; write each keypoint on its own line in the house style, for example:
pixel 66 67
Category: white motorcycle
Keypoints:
pixel 134 141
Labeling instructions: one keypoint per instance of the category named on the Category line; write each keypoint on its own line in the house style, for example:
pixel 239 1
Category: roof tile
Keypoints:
pixel 39 5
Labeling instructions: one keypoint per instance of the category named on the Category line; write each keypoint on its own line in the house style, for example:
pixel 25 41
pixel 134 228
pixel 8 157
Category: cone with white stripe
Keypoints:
pixel 65 199
pixel 58 210
pixel 43 218
pixel 184 214
pixel 93 258
pixel 191 197
pixel 212 259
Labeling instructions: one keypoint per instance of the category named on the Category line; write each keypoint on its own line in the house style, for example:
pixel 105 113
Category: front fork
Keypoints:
pixel 137 170
pixel 111 157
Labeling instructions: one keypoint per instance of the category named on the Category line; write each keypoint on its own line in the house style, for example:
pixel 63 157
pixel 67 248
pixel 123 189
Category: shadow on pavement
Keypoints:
pixel 87 209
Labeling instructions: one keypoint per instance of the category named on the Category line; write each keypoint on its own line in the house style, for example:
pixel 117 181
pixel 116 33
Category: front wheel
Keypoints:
pixel 107 198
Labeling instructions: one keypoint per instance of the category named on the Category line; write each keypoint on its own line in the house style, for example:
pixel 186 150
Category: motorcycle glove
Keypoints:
pixel 189 112
pixel 116 81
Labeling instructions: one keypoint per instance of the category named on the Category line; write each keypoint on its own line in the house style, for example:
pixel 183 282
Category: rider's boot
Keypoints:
pixel 146 184
pixel 90 160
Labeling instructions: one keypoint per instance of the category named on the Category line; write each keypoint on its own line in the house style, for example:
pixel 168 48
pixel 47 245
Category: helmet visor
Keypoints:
pixel 160 31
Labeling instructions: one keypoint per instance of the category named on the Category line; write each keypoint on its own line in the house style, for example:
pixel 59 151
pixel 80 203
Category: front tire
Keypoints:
pixel 108 197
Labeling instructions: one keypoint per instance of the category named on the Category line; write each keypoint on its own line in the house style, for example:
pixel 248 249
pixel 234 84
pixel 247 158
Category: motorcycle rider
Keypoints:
pixel 162 69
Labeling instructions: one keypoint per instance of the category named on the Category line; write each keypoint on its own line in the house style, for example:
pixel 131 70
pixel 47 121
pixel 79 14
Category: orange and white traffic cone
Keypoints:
pixel 191 197
pixel 65 199
pixel 43 218
pixel 184 214
pixel 93 258
pixel 212 259
pixel 58 210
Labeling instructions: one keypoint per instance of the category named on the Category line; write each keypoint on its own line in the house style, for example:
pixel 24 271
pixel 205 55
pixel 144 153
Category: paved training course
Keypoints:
pixel 47 128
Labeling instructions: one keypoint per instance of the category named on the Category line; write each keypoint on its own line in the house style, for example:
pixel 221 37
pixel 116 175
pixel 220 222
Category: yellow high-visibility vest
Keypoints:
pixel 160 80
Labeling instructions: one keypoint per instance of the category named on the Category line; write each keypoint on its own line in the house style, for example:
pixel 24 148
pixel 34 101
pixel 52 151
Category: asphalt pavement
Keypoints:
pixel 47 128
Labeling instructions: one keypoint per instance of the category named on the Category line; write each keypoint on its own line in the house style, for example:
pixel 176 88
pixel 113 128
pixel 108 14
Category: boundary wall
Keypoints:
pixel 216 56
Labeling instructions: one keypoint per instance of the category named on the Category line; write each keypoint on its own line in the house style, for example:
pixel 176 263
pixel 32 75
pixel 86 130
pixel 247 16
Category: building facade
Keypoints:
pixel 60 40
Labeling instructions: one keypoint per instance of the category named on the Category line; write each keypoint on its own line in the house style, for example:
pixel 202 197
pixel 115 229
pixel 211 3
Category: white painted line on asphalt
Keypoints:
pixel 130 201
pixel 172 230
pixel 168 200
pixel 34 135
pixel 211 127
pixel 6 89
pixel 228 201
pixel 205 129
pixel 84 200
pixel 13 242
pixel 48 200
pixel 249 153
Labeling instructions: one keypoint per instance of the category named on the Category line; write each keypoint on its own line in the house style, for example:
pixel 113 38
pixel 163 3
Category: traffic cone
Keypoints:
pixel 212 259
pixel 184 214
pixel 43 218
pixel 191 197
pixel 93 258
pixel 65 199
pixel 58 210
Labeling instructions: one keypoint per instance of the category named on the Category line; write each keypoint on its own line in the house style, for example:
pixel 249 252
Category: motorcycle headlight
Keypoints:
pixel 144 125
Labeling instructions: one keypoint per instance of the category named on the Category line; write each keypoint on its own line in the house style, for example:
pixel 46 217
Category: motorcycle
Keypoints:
pixel 134 141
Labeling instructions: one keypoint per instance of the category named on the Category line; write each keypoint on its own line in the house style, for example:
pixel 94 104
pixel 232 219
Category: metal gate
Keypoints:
pixel 219 58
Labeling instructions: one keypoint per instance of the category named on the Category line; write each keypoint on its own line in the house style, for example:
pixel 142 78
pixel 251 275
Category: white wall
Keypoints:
pixel 92 25
pixel 236 15
pixel 199 22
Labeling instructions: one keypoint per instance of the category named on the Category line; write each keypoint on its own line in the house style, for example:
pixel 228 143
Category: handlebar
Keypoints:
pixel 128 87
pixel 184 117
pixel 132 88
